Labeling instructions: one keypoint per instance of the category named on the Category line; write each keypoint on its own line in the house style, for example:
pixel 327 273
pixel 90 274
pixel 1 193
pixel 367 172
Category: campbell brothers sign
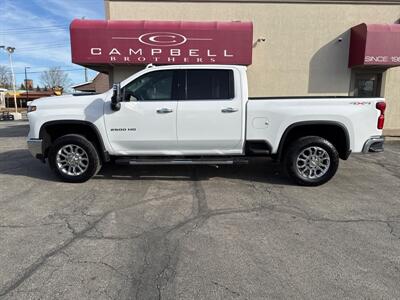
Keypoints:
pixel 160 42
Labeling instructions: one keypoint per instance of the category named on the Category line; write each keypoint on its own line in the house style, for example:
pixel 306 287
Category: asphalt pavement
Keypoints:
pixel 180 232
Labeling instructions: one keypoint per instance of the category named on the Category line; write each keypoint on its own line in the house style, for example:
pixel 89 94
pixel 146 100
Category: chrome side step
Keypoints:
pixel 180 161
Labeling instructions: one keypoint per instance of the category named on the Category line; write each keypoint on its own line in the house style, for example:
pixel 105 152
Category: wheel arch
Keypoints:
pixel 333 131
pixel 51 130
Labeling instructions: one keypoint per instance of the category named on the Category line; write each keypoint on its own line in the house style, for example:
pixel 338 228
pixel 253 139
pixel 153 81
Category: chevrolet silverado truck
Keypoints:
pixel 200 114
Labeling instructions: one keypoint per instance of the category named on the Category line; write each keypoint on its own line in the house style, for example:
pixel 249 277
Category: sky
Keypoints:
pixel 39 30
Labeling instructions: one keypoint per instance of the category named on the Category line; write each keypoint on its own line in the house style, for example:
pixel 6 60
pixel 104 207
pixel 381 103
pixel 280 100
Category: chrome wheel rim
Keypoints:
pixel 313 162
pixel 72 160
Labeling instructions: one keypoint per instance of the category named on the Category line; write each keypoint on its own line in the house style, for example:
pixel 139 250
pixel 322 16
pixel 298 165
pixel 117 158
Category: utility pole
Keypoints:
pixel 26 85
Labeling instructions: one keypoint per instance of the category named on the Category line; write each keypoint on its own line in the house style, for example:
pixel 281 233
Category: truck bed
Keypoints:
pixel 269 117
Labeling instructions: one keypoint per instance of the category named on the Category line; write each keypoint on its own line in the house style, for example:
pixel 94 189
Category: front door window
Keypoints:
pixel 152 86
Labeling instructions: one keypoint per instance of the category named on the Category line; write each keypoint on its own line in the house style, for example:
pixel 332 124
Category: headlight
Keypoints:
pixel 31 108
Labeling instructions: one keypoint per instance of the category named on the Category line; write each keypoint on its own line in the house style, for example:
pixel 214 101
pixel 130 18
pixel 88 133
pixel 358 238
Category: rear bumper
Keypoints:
pixel 374 144
pixel 35 148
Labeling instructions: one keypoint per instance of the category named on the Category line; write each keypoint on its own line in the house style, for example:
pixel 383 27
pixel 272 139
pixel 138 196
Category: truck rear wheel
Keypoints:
pixel 73 158
pixel 311 161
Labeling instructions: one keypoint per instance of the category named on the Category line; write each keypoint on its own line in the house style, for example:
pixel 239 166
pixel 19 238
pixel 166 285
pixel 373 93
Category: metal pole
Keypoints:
pixel 13 78
pixel 86 77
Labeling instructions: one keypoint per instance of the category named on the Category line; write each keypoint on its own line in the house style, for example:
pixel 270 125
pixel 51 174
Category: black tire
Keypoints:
pixel 93 165
pixel 294 151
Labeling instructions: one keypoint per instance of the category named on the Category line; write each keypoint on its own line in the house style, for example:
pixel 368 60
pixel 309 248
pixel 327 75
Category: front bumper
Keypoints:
pixel 374 144
pixel 35 147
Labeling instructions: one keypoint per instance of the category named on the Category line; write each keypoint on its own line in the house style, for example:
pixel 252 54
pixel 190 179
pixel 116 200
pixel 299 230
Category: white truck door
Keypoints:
pixel 210 113
pixel 146 122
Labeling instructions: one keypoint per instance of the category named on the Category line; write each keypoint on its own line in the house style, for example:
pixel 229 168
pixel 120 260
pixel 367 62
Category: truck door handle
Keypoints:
pixel 164 111
pixel 229 110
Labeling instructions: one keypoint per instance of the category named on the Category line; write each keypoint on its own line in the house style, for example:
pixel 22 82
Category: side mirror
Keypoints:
pixel 116 97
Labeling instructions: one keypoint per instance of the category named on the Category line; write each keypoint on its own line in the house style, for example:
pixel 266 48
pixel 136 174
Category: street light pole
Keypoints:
pixel 86 77
pixel 26 85
pixel 10 51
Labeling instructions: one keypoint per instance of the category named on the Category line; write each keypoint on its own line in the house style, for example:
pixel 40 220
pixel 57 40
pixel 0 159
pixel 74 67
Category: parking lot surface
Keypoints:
pixel 179 232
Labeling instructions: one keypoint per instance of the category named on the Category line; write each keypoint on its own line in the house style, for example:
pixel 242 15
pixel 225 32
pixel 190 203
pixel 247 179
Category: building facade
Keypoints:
pixel 99 84
pixel 300 47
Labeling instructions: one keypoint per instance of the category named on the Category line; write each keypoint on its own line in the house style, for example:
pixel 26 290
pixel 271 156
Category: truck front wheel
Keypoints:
pixel 74 158
pixel 311 160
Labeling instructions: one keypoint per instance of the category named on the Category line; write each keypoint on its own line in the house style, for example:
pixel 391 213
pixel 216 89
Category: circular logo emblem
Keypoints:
pixel 163 39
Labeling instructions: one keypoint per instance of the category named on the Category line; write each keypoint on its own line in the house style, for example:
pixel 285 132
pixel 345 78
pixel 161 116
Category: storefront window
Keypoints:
pixel 367 84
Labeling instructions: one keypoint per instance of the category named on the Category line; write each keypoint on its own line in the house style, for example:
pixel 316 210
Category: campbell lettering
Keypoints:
pixel 172 55
pixel 166 52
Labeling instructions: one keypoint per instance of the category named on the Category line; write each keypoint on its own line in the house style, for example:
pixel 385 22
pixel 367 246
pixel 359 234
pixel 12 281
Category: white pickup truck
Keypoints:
pixel 200 114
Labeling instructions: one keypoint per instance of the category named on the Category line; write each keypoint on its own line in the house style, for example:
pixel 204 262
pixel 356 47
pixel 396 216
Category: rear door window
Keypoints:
pixel 204 84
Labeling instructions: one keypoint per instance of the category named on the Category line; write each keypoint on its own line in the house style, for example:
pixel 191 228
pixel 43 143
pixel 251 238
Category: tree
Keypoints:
pixel 22 87
pixel 5 77
pixel 37 88
pixel 55 77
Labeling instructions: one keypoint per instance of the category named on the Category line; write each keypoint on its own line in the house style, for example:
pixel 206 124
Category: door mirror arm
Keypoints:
pixel 116 97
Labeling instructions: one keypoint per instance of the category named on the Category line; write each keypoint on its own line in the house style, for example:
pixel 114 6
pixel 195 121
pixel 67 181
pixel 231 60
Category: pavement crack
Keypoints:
pixel 28 272
pixel 234 293
pixel 387 166
pixel 168 272
pixel 29 226
pixel 159 263
pixel 103 264
pixel 199 195
pixel 391 229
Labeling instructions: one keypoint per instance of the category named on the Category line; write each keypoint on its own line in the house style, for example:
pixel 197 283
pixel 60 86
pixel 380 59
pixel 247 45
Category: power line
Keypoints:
pixel 53 27
pixel 43 31
pixel 48 43
pixel 41 47
pixel 65 70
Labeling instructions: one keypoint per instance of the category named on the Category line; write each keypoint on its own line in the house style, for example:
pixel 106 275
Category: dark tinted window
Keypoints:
pixel 209 84
pixel 368 84
pixel 151 86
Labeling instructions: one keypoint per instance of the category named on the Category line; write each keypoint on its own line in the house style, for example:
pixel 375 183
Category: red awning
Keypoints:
pixel 100 42
pixel 376 45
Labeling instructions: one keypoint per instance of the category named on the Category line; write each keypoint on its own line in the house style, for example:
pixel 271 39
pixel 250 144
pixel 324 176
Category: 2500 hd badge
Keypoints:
pixel 123 129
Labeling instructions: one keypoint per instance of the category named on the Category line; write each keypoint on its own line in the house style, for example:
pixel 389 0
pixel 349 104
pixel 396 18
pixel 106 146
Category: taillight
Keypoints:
pixel 381 106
